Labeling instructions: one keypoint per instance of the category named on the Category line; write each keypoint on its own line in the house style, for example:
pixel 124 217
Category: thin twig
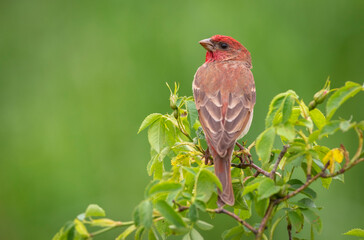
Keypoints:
pixel 265 219
pixel 307 183
pixel 281 155
pixel 236 217
pixel 252 165
pixel 341 171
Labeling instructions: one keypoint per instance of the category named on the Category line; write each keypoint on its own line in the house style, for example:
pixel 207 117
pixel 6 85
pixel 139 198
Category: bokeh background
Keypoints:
pixel 78 77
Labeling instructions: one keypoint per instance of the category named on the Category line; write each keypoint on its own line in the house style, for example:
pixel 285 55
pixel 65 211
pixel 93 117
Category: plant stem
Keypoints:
pixel 236 217
pixel 281 155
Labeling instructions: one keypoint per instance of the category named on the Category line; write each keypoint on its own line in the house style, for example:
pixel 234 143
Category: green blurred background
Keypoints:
pixel 78 77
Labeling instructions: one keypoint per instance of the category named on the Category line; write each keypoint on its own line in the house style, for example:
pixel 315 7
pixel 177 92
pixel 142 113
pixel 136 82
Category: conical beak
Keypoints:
pixel 208 44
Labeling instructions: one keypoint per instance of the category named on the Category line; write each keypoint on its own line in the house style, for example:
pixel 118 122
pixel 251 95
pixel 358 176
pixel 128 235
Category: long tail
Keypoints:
pixel 223 172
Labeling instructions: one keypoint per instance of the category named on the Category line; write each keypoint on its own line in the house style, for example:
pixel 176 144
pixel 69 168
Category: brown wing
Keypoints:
pixel 224 93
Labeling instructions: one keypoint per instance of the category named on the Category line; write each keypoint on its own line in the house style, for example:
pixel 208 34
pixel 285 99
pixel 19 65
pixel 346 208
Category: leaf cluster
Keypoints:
pixel 183 186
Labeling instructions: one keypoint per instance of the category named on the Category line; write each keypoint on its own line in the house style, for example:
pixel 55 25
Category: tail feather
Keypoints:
pixel 223 172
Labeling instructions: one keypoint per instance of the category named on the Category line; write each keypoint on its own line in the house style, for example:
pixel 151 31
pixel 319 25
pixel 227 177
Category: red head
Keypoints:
pixel 223 48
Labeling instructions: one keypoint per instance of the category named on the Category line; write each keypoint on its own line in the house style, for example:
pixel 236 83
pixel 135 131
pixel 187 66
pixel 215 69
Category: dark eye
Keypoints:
pixel 224 45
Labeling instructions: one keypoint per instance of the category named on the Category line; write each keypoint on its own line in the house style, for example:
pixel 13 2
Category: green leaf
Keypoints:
pixel 204 225
pixel 265 144
pixel 295 184
pixel 283 102
pixel 296 220
pixel 152 235
pixel 149 120
pixel 205 185
pixel 155 167
pixel 306 203
pixel 80 228
pixel 126 233
pixel 161 134
pixel 169 213
pixel 330 128
pixel 267 188
pixel 261 206
pixel 240 202
pixel 143 214
pixel 164 187
pixel 357 232
pixel 340 96
pixel 139 233
pixel 251 186
pixel 287 108
pixel 236 232
pixel 312 218
pixel 66 232
pixel 192 113
pixel 195 235
pixel 104 222
pixel 287 131
pixel 94 210
pixel 318 118
pixel 193 213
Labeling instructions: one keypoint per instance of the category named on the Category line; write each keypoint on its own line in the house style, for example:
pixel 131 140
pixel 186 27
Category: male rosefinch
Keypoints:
pixel 224 92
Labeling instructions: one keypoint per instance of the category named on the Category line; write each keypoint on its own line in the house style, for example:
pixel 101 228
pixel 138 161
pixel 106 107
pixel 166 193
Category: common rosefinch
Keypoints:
pixel 224 93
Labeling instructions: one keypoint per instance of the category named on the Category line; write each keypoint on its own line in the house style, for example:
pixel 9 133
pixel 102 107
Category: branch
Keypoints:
pixel 341 171
pixel 265 219
pixel 236 217
pixel 307 183
pixel 281 155
pixel 251 165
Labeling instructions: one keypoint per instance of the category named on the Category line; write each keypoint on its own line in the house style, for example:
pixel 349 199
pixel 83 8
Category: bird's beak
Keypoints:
pixel 207 44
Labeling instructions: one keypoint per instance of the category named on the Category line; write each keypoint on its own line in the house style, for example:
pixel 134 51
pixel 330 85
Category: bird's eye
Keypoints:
pixel 224 45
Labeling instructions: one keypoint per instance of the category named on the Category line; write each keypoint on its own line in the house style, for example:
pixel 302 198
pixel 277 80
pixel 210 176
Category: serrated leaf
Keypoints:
pixel 340 96
pixel 126 233
pixel 251 186
pixel 318 118
pixel 205 185
pixel 169 213
pixel 151 118
pixel 357 232
pixel 94 210
pixel 164 187
pixel 267 188
pixel 161 134
pixel 264 144
pixel 66 232
pixel 287 131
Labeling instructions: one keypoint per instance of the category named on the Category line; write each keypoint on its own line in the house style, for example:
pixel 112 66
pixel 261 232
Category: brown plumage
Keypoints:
pixel 224 93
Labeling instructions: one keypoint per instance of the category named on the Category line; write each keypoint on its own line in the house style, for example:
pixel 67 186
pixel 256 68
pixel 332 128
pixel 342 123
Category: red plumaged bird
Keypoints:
pixel 224 92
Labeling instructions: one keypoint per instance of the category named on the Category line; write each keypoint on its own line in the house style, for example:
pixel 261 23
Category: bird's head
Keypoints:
pixel 223 48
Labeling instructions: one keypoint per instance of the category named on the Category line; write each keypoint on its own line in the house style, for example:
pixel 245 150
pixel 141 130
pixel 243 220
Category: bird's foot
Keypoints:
pixel 245 156
pixel 207 156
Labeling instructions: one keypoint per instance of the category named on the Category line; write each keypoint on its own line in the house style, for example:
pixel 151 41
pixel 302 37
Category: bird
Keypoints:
pixel 225 95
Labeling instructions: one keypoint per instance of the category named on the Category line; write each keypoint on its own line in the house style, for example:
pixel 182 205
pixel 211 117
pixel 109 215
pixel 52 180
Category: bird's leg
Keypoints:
pixel 245 154
pixel 207 156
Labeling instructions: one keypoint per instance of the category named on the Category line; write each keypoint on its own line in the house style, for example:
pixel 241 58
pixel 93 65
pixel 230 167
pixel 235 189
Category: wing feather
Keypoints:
pixel 225 102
